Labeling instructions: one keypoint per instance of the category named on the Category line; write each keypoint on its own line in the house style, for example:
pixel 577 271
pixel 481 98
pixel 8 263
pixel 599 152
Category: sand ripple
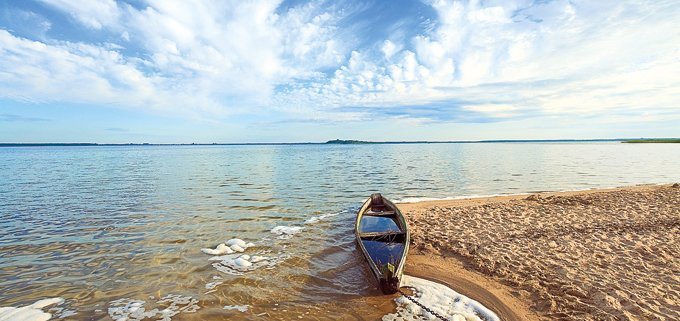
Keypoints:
pixel 580 256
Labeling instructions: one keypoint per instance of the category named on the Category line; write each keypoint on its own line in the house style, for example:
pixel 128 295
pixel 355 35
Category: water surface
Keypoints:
pixel 104 227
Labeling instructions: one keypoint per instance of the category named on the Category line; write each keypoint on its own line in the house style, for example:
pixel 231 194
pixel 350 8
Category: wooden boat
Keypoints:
pixel 383 237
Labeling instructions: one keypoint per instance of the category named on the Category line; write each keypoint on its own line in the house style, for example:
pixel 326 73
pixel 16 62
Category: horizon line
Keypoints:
pixel 330 142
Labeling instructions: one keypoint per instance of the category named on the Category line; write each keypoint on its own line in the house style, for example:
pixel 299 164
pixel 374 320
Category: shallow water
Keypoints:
pixel 105 227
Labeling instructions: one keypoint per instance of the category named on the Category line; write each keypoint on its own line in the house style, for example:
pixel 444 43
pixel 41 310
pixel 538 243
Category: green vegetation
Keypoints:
pixel 652 140
pixel 345 141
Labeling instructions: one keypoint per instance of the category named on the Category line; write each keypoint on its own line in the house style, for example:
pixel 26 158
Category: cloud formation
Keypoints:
pixel 208 57
pixel 520 58
pixel 467 61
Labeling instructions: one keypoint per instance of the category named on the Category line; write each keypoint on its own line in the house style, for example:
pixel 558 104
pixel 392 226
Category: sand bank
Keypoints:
pixel 588 255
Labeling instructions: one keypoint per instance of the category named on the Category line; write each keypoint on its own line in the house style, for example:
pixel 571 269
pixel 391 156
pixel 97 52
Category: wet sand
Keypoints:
pixel 587 255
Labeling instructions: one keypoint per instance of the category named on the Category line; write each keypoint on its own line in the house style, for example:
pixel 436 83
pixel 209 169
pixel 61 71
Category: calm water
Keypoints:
pixel 113 228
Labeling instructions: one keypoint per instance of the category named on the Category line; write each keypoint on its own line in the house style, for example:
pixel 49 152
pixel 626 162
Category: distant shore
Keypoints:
pixel 357 142
pixel 589 255
pixel 653 140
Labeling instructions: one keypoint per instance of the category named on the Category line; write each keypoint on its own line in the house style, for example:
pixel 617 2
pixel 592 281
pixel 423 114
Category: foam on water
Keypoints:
pixel 429 199
pixel 240 308
pixel 231 246
pixel 231 261
pixel 452 198
pixel 440 299
pixel 239 242
pixel 316 219
pixel 238 264
pixel 286 232
pixel 60 312
pixel 219 250
pixel 212 285
pixel 243 262
pixel 31 312
pixel 126 309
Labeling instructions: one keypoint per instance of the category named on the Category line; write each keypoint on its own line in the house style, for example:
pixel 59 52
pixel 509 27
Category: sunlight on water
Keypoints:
pixel 119 231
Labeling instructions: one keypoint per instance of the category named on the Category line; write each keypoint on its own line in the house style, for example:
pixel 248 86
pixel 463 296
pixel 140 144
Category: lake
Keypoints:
pixel 113 229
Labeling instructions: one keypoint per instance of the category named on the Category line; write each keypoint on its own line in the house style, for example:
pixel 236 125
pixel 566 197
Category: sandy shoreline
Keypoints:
pixel 586 255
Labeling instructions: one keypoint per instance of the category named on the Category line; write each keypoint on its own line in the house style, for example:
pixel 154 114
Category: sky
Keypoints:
pixel 174 71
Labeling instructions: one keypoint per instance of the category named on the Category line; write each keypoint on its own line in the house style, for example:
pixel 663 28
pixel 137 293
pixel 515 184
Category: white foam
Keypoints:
pixel 31 312
pixel 242 262
pixel 238 242
pixel 429 199
pixel 240 308
pixel 126 309
pixel 64 313
pixel 257 258
pixel 474 196
pixel 231 246
pixel 286 232
pixel 219 250
pixel 61 312
pixel 237 248
pixel 239 245
pixel 424 199
pixel 440 299
pixel 236 264
pixel 46 302
pixel 212 285
pixel 316 219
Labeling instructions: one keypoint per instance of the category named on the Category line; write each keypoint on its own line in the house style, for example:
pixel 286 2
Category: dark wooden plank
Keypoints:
pixel 379 234
pixel 383 213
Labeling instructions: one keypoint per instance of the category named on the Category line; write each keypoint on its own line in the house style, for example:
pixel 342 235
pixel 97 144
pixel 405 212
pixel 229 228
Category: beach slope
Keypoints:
pixel 589 255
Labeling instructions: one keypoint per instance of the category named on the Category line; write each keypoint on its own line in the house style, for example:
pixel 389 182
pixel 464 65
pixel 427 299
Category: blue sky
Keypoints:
pixel 166 71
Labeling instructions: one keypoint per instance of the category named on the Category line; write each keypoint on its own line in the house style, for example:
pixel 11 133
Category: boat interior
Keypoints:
pixel 382 234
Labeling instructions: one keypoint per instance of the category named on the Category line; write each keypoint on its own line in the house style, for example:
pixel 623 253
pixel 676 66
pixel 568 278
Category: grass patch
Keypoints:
pixel 652 140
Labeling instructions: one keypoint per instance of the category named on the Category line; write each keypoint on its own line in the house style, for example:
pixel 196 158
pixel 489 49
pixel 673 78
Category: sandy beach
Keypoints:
pixel 588 255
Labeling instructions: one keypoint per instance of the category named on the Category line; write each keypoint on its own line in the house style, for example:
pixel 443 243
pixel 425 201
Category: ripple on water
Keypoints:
pixel 286 232
pixel 94 225
pixel 240 308
pixel 36 311
pixel 165 308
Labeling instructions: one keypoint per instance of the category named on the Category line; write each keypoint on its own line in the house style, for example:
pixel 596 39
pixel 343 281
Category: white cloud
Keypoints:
pixel 560 57
pixel 389 49
pixel 493 110
pixel 93 14
pixel 196 57
pixel 208 58
pixel 37 72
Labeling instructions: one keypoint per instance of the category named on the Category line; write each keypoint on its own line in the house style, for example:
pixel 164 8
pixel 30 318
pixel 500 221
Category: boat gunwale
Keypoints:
pixel 402 225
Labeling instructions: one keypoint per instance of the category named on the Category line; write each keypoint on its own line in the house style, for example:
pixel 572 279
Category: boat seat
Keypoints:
pixel 378 208
pixel 380 234
pixel 382 213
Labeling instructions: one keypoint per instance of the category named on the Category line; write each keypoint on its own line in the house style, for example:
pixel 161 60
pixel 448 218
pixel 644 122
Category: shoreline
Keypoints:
pixel 488 292
pixel 333 142
pixel 598 254
pixel 454 200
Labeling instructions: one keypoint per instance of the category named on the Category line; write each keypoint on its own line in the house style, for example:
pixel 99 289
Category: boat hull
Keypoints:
pixel 383 237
